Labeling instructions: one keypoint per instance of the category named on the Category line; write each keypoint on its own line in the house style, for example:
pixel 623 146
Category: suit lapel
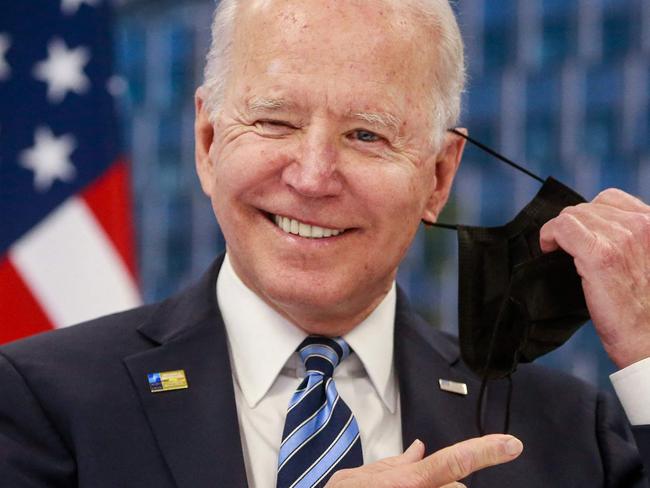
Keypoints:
pixel 423 356
pixel 196 428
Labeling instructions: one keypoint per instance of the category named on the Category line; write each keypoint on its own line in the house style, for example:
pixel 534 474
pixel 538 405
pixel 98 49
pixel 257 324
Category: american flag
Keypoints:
pixel 66 247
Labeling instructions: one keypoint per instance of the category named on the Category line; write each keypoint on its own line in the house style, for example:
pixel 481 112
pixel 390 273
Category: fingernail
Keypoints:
pixel 415 445
pixel 513 446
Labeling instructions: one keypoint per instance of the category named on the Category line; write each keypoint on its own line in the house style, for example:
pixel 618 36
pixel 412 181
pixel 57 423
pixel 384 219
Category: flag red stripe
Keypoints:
pixel 20 312
pixel 109 198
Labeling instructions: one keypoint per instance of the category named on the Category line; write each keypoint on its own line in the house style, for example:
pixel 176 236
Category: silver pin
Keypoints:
pixel 453 387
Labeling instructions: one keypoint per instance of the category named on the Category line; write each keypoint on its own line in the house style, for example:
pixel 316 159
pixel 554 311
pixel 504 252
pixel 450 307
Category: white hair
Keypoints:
pixel 446 87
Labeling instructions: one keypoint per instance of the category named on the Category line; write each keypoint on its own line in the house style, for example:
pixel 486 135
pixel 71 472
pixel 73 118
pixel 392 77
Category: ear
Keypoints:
pixel 203 138
pixel 447 162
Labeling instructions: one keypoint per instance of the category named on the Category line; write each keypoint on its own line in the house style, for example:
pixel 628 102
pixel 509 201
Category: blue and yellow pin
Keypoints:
pixel 167 381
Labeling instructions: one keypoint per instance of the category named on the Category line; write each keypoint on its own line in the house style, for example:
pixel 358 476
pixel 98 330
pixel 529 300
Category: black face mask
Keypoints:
pixel 516 303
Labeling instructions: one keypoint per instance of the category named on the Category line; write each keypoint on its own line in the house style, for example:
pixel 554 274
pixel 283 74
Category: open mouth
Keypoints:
pixel 296 227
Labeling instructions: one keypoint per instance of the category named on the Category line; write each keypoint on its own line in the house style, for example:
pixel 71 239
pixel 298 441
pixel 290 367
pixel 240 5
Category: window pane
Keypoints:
pixel 616 34
pixel 600 133
pixel 542 142
pixel 557 40
pixel 499 47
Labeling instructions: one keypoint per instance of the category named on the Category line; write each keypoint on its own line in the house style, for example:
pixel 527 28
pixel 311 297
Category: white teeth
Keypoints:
pixel 286 224
pixel 293 226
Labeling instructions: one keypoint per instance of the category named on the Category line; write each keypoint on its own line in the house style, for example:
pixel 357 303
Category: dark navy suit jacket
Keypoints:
pixel 76 408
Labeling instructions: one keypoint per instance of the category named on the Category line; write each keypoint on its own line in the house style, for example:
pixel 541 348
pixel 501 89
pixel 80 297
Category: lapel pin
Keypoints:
pixel 167 381
pixel 453 387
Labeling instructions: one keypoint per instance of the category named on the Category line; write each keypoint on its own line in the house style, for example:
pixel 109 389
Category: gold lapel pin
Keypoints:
pixel 167 381
pixel 453 387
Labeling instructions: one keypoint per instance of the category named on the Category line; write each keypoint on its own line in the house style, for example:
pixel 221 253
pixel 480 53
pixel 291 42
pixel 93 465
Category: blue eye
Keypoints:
pixel 366 136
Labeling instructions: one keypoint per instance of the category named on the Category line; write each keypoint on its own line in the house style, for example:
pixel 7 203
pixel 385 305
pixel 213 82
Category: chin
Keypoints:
pixel 312 290
pixel 314 300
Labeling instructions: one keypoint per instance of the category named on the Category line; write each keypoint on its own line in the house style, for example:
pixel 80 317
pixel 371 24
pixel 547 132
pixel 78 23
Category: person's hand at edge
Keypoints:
pixel 442 469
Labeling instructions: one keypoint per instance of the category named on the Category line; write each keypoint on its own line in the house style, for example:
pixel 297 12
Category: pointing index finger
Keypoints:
pixel 460 460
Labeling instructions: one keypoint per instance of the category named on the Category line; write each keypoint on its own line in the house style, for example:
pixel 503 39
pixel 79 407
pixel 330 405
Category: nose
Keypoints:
pixel 314 171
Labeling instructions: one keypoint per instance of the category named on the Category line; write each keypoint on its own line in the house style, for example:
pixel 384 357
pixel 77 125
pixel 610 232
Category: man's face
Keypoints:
pixel 319 166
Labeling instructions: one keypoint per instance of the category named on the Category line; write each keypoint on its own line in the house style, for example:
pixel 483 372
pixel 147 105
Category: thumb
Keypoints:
pixel 413 454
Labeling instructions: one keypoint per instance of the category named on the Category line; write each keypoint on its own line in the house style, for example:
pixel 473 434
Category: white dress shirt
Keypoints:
pixel 632 385
pixel 267 371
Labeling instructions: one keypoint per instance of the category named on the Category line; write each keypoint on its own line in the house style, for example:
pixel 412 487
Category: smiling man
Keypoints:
pixel 296 361
pixel 331 131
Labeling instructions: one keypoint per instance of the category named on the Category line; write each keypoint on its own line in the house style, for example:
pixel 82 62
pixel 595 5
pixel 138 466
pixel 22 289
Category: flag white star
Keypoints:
pixel 49 158
pixel 70 7
pixel 63 70
pixel 5 44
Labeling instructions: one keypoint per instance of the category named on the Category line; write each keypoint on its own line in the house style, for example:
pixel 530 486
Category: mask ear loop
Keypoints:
pixel 484 382
pixel 480 402
pixel 496 154
pixel 491 152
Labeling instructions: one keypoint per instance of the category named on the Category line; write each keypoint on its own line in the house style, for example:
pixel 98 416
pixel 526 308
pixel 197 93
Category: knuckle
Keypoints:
pixel 608 194
pixel 566 217
pixel 565 222
pixel 338 477
pixel 577 209
pixel 460 463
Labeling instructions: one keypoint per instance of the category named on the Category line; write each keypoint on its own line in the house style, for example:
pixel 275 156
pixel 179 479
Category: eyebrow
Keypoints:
pixel 257 104
pixel 383 119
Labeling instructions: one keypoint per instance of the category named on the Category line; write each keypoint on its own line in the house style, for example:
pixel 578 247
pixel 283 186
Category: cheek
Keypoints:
pixel 394 194
pixel 246 166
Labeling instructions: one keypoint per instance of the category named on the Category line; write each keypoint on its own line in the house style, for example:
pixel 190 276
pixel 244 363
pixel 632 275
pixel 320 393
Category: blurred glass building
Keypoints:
pixel 561 86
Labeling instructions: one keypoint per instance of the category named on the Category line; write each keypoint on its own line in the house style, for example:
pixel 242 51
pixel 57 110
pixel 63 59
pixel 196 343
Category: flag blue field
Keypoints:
pixel 66 246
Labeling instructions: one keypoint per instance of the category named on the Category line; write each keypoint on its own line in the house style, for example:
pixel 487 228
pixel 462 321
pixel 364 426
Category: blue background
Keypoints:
pixel 560 86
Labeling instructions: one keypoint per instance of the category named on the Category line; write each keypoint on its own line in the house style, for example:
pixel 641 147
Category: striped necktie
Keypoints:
pixel 320 434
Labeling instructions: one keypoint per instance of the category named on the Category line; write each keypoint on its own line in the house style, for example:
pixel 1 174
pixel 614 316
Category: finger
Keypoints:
pixel 614 197
pixel 460 460
pixel 565 232
pixel 614 233
pixel 455 484
pixel 614 215
pixel 413 454
pixel 607 223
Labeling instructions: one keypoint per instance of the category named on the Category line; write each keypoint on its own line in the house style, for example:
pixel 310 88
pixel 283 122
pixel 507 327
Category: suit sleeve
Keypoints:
pixel 642 436
pixel 32 453
pixel 622 458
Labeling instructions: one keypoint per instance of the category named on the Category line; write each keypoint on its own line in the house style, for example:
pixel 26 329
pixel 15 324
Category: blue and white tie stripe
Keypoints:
pixel 320 434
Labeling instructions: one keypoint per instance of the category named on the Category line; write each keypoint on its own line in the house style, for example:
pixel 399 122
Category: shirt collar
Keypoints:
pixel 372 341
pixel 262 341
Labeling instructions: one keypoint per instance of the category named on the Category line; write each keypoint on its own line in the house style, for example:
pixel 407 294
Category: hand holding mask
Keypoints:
pixel 609 240
pixel 527 286
pixel 515 302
